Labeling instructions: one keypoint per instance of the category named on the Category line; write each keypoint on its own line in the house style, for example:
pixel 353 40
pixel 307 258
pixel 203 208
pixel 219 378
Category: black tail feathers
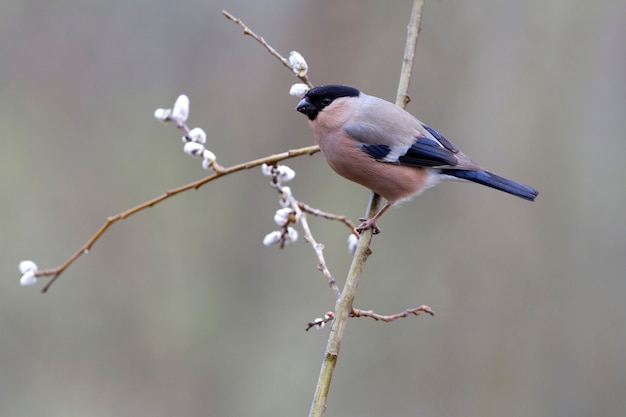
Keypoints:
pixel 494 181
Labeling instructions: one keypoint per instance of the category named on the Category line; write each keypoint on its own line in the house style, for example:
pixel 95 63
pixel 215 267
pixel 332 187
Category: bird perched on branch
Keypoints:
pixel 379 145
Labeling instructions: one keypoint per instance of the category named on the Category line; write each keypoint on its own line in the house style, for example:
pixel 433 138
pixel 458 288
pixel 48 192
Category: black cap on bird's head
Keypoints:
pixel 317 98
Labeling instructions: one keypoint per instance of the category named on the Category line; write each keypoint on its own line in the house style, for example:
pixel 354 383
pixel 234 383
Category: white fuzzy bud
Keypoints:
pixel 197 135
pixel 207 155
pixel 272 238
pixel 353 241
pixel 291 236
pixel 26 266
pixel 281 217
pixel 163 115
pixel 193 149
pixel 298 90
pixel 298 64
pixel 267 170
pixel 319 323
pixel 285 173
pixel 180 112
pixel 28 278
pixel 285 197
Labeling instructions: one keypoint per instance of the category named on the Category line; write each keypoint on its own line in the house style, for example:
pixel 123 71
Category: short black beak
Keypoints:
pixel 303 105
pixel 306 107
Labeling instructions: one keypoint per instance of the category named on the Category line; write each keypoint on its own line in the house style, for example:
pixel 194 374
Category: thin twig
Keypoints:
pixel 321 321
pixel 329 216
pixel 408 312
pixel 343 307
pixel 413 30
pixel 56 272
pixel 317 247
pixel 247 31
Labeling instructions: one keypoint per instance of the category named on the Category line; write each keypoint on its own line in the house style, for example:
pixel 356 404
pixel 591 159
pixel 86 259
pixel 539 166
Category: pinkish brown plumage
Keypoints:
pixel 379 145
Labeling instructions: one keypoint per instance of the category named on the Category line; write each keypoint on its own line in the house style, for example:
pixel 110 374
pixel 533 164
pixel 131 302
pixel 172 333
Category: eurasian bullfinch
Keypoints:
pixel 379 145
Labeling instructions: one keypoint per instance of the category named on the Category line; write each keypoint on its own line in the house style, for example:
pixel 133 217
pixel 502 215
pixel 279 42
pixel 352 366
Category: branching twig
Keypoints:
pixel 410 311
pixel 246 31
pixel 320 321
pixel 56 272
pixel 317 247
pixel 297 215
pixel 329 216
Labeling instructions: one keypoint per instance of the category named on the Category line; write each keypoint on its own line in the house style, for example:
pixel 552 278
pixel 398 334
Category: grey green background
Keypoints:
pixel 181 311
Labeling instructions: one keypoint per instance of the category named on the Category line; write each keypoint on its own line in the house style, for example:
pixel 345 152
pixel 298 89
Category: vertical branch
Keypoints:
pixel 413 30
pixel 343 306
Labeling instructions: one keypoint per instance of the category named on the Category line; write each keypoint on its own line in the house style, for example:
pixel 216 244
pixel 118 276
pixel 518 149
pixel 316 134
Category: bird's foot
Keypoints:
pixel 368 224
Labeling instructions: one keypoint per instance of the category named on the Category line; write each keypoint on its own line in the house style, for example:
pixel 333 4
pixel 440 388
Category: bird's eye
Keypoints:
pixel 326 101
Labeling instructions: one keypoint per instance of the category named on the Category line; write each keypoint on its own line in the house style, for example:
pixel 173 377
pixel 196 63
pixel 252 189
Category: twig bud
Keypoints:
pixel 291 236
pixel 163 115
pixel 272 238
pixel 196 135
pixel 267 170
pixel 28 278
pixel 208 156
pixel 353 241
pixel 298 64
pixel 281 217
pixel 180 112
pixel 26 266
pixel 285 173
pixel 285 197
pixel 193 149
pixel 298 90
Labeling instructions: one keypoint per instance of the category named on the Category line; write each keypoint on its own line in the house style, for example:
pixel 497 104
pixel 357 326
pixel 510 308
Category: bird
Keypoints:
pixel 383 147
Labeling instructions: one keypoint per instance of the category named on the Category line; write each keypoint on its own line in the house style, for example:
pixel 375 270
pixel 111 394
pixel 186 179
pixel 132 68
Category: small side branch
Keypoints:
pixel 329 216
pixel 320 322
pixel 247 31
pixel 379 317
pixel 318 248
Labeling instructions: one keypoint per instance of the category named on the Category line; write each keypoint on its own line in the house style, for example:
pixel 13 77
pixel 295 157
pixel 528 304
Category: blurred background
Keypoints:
pixel 180 310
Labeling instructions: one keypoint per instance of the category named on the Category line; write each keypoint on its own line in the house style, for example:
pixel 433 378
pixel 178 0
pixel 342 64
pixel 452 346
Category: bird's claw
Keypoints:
pixel 368 224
